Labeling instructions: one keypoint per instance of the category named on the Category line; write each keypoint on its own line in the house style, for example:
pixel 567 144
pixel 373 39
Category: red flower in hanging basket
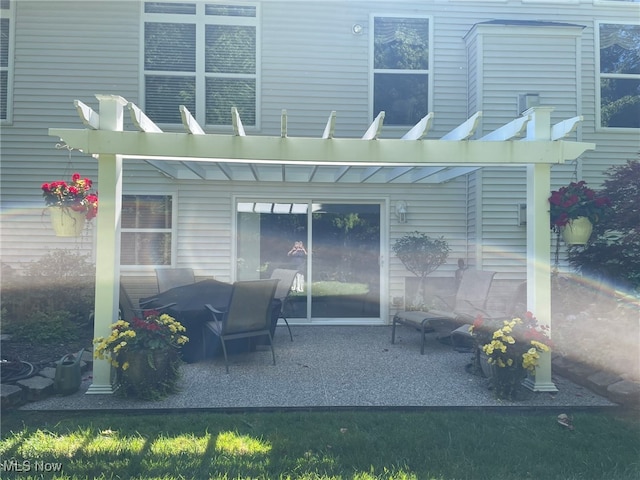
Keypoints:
pixel 75 195
pixel 577 200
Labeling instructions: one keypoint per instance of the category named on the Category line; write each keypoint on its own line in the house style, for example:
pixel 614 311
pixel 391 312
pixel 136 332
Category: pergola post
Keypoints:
pixel 108 241
pixel 539 245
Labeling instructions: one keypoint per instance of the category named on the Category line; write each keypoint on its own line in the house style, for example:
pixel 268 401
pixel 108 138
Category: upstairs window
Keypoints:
pixel 401 68
pixel 203 56
pixel 619 75
pixel 146 230
pixel 6 58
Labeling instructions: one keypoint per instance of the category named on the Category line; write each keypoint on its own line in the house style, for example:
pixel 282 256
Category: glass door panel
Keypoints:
pixel 335 249
pixel 344 263
pixel 266 232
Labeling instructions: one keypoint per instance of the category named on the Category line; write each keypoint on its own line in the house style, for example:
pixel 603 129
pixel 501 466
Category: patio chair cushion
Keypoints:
pixel 471 299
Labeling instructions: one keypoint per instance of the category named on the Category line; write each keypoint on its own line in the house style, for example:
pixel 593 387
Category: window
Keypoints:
pixel 203 56
pixel 401 66
pixel 619 75
pixel 6 58
pixel 146 230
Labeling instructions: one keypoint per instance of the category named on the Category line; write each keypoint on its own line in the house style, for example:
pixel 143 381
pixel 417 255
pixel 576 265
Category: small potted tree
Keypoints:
pixel 421 255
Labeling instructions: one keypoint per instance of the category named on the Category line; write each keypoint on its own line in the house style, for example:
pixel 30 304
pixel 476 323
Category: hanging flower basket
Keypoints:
pixel 577 202
pixel 577 231
pixel 66 222
pixel 70 205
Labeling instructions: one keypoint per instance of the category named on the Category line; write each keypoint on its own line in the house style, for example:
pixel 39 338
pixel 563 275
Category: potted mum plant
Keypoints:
pixel 575 208
pixel 70 204
pixel 144 353
pixel 511 349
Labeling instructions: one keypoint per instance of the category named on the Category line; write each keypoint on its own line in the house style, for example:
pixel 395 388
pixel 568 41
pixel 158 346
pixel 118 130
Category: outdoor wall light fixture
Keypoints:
pixel 401 211
pixel 356 29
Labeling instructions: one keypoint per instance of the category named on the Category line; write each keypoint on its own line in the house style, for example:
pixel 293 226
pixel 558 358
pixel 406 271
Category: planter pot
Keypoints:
pixel 150 374
pixel 507 382
pixel 66 222
pixel 485 366
pixel 577 231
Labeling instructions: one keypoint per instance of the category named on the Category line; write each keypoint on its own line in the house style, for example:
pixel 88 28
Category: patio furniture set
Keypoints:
pixel 218 314
pixel 239 316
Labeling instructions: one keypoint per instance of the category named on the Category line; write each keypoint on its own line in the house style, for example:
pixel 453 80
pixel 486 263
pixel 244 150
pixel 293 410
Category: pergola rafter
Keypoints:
pixel 196 154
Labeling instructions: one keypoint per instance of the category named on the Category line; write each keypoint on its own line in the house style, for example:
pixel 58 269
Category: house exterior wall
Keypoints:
pixel 312 63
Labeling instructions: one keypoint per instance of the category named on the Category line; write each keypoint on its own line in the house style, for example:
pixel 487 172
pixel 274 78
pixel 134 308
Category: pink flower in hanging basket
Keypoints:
pixel 76 195
pixel 577 200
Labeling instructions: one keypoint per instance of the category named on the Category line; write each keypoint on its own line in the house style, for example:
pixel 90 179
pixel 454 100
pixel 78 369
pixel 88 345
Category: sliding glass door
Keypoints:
pixel 333 246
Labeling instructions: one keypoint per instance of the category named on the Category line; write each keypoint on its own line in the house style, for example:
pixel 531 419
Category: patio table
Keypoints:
pixel 189 309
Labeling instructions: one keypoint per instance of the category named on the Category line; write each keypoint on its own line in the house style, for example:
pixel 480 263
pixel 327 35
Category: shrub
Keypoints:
pixel 44 328
pixel 61 280
pixel 613 252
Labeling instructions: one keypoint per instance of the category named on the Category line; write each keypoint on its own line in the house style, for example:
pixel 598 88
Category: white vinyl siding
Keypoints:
pixel 309 62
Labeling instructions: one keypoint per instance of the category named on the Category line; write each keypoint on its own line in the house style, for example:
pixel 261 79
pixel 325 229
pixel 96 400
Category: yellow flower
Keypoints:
pixel 540 346
pixel 125 365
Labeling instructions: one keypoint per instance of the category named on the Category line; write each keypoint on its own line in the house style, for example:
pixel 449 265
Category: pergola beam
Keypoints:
pixel 424 172
pixel 89 117
pixel 449 174
pixel 190 123
pixel 330 127
pixel 283 124
pixel 420 129
pixel 238 128
pixel 564 128
pixel 513 129
pixel 375 128
pixel 465 130
pixel 305 151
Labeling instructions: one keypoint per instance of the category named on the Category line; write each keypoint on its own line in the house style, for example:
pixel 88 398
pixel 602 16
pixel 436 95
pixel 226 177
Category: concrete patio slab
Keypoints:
pixel 333 367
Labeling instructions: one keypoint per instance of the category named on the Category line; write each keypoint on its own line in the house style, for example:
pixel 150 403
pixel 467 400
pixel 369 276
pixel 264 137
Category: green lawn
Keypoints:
pixel 358 445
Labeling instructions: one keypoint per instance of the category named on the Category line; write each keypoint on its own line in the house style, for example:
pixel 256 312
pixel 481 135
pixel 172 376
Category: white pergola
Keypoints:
pixel 529 140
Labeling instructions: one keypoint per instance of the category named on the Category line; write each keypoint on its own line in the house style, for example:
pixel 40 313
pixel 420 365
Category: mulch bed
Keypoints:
pixel 44 355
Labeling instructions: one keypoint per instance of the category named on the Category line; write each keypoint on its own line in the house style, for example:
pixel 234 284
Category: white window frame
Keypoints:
pixel 598 102
pixel 10 14
pixel 373 71
pixel 173 231
pixel 201 20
